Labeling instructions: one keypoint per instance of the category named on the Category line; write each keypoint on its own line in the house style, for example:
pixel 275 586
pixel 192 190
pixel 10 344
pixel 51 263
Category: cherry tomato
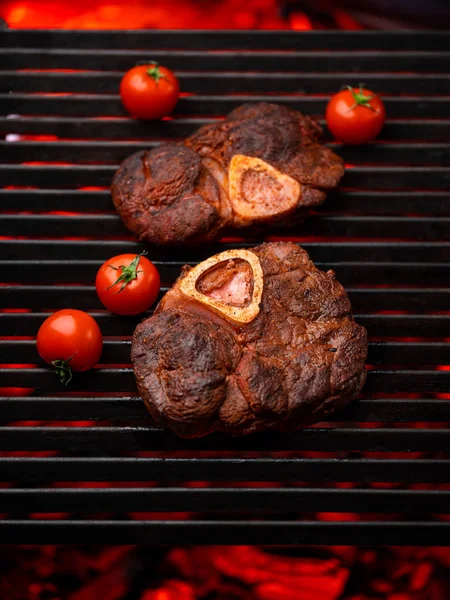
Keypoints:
pixel 70 340
pixel 127 284
pixel 149 91
pixel 355 115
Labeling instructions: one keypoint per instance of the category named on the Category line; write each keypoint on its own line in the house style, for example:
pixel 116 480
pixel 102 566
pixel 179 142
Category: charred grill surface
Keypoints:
pixel 386 234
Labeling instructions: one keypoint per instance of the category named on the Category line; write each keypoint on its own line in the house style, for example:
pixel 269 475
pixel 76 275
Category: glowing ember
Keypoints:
pixel 141 14
pixel 219 573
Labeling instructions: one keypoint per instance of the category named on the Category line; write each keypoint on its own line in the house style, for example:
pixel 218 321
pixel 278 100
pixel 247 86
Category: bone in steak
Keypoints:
pixel 249 340
pixel 262 164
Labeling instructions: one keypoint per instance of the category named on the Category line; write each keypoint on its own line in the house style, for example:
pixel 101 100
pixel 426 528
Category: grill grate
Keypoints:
pixel 386 234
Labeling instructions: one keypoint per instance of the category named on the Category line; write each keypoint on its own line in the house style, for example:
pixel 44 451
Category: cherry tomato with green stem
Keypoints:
pixel 149 91
pixel 128 284
pixel 70 340
pixel 355 115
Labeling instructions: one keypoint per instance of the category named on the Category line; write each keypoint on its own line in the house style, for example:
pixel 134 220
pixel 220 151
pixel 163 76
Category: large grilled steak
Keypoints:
pixel 249 340
pixel 262 164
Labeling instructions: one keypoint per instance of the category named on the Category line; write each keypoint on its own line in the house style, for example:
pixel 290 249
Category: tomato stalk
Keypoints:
pixel 359 98
pixel 153 70
pixel 63 369
pixel 129 272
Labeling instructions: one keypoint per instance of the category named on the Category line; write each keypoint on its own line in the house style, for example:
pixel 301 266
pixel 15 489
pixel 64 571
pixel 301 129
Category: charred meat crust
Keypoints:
pixel 179 193
pixel 280 136
pixel 298 361
pixel 167 195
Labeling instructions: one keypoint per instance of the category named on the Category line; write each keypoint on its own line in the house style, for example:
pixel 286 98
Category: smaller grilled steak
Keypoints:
pixel 262 164
pixel 249 340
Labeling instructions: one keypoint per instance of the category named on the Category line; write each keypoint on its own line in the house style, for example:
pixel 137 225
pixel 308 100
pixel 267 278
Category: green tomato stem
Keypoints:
pixel 155 73
pixel 63 369
pixel 360 98
pixel 129 272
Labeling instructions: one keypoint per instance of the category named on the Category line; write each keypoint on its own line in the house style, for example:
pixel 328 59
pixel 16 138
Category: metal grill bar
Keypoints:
pixel 114 152
pixel 117 60
pixel 70 127
pixel 351 273
pixel 101 175
pixel 213 40
pixel 127 439
pixel 283 501
pixel 423 326
pixel 229 82
pixel 116 380
pixel 228 532
pixel 423 228
pixel 363 300
pixel 371 251
pixel 45 470
pixel 212 105
pixel 379 352
pixel 42 408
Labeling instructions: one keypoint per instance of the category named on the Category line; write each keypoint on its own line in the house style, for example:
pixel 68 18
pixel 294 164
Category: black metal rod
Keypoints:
pixel 226 532
pixel 280 500
pixel 401 107
pixel 59 469
pixel 140 438
pixel 48 408
pixel 203 40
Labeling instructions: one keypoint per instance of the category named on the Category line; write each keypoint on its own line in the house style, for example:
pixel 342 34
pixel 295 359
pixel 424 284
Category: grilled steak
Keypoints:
pixel 262 164
pixel 249 340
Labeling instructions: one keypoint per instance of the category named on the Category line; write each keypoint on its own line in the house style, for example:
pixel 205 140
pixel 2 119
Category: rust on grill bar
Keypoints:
pixel 385 233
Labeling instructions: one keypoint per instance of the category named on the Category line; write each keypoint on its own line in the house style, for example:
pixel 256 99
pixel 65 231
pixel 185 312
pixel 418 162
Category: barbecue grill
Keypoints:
pixel 385 234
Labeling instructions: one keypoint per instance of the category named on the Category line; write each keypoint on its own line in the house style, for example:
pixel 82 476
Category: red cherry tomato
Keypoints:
pixel 127 284
pixel 355 115
pixel 70 340
pixel 149 91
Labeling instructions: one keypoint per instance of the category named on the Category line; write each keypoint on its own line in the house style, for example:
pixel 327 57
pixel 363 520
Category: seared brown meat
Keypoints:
pixel 250 340
pixel 263 163
pixel 161 194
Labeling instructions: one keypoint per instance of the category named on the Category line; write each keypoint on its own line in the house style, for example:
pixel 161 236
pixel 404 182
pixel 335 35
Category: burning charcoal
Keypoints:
pixel 171 590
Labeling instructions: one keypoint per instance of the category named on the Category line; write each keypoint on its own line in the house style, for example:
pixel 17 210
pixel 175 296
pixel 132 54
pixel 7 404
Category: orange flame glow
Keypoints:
pixel 140 14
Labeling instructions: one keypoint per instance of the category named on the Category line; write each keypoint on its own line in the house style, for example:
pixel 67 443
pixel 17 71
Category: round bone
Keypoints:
pixel 236 314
